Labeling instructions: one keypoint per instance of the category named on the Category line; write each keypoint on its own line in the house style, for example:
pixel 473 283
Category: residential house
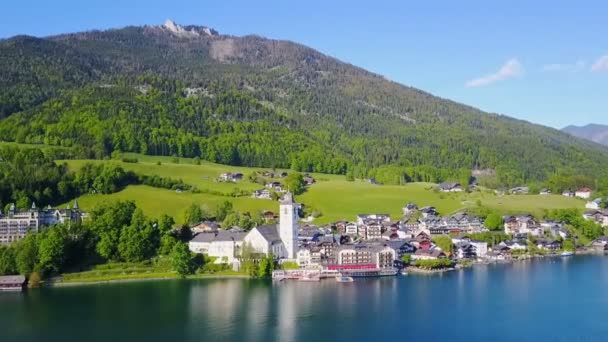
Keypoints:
pixel 262 194
pixel 427 254
pixel 595 204
pixel 351 229
pixel 276 186
pixel 522 224
pixel 598 216
pixel 205 227
pixel 428 211
pixel 224 245
pixel 584 193
pixel 499 253
pixel 481 248
pixel 568 193
pixel 514 245
pixel 600 243
pixel 409 209
pixel 230 177
pixel 520 190
pixel 381 218
pixel 308 180
pixel 464 250
pixel 303 258
pixel 549 245
pixel 450 187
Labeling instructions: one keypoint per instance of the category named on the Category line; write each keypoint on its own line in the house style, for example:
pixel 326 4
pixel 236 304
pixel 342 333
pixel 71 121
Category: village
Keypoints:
pixel 421 240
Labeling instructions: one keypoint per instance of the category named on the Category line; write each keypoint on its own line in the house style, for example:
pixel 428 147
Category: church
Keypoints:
pixel 281 239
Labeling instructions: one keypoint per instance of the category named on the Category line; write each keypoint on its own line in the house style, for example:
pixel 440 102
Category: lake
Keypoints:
pixel 542 300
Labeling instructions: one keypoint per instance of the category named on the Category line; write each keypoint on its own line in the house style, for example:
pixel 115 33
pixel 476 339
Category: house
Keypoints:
pixel 514 245
pixel 205 227
pixel 595 204
pixel 520 190
pixel 276 186
pixel 422 241
pixel 401 247
pixel 409 208
pixel 568 193
pixel 450 187
pixel 303 258
pixel 12 283
pixel 522 224
pixel 465 250
pixel 394 232
pixel 427 254
pixel 351 229
pixel 600 243
pixel 499 253
pixel 583 193
pixel 268 216
pixel 545 192
pixel 382 218
pixel 16 224
pixel 549 245
pixel 262 194
pixel 560 232
pixel 459 238
pixel 224 245
pixel 598 216
pixel 428 211
pixel 308 180
pixel 481 248
pixel 230 177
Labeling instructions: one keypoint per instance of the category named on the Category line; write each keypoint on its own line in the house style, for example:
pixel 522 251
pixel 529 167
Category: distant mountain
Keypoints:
pixel 191 91
pixel 594 132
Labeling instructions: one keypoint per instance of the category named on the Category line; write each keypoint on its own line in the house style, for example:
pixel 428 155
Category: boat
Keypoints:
pixel 373 272
pixel 403 272
pixel 566 254
pixel 307 277
pixel 343 279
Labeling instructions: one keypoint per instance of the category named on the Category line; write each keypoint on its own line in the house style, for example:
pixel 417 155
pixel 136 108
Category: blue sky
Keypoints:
pixel 542 61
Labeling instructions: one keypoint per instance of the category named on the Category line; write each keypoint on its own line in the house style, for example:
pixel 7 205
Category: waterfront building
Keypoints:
pixel 16 224
pixel 12 283
pixel 365 254
pixel 224 245
pixel 523 224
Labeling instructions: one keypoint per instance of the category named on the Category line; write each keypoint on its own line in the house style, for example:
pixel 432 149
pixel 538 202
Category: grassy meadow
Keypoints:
pixel 332 195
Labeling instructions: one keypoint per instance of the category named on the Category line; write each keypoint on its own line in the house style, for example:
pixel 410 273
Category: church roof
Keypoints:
pixel 270 233
pixel 287 199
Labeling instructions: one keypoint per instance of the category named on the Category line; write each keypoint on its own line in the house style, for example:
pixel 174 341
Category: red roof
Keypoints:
pixel 584 190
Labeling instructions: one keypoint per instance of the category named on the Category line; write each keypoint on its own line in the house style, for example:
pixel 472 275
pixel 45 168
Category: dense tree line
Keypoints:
pixel 275 104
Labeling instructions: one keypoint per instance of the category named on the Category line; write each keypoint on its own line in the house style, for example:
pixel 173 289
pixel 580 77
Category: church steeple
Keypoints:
pixel 288 225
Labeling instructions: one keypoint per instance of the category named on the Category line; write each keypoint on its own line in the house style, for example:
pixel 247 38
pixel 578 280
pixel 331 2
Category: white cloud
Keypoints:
pixel 512 68
pixel 601 64
pixel 578 66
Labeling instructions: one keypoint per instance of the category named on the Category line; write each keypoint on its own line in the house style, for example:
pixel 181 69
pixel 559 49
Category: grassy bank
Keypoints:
pixel 332 196
pixel 149 270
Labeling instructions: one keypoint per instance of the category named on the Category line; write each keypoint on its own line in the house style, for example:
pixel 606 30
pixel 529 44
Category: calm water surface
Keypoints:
pixel 547 300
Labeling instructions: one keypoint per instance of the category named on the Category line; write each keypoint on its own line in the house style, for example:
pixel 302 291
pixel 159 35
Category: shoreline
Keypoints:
pixel 60 283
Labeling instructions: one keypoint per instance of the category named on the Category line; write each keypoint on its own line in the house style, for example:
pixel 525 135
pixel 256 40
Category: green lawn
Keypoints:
pixel 155 201
pixel 332 195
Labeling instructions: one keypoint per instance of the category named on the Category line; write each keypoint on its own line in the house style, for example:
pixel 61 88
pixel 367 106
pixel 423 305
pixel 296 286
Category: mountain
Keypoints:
pixel 191 91
pixel 593 132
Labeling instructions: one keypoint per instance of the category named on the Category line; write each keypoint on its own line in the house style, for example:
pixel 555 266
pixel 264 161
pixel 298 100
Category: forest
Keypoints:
pixel 270 104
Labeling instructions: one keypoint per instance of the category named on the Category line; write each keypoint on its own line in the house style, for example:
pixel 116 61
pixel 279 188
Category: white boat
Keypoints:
pixel 342 279
pixel 566 254
pixel 403 272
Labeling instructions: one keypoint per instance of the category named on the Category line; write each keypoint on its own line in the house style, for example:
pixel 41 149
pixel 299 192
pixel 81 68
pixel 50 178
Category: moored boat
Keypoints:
pixel 343 279
pixel 566 253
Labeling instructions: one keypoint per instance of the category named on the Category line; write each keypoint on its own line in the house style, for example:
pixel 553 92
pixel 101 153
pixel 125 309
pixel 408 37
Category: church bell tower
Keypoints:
pixel 288 225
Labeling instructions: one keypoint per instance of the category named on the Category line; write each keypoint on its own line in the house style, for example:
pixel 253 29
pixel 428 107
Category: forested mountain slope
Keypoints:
pixel 190 91
pixel 593 132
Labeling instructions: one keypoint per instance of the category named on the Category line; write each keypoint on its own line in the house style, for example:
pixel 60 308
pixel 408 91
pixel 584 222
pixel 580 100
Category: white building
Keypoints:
pixel 595 204
pixel 224 245
pixel 481 248
pixel 583 193
pixel 303 257
pixel 281 240
pixel 16 224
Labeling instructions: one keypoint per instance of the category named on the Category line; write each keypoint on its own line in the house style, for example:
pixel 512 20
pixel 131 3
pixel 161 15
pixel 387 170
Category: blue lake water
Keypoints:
pixel 543 300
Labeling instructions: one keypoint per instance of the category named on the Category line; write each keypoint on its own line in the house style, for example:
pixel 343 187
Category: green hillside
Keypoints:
pixel 257 102
pixel 332 195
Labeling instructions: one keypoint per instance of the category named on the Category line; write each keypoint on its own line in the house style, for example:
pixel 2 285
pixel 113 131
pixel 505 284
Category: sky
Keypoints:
pixel 541 61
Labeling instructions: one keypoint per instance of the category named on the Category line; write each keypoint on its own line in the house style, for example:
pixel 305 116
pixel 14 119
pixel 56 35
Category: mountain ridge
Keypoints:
pixel 307 106
pixel 593 132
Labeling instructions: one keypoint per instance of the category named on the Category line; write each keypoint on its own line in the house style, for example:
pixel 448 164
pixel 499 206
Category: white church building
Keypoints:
pixel 280 240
